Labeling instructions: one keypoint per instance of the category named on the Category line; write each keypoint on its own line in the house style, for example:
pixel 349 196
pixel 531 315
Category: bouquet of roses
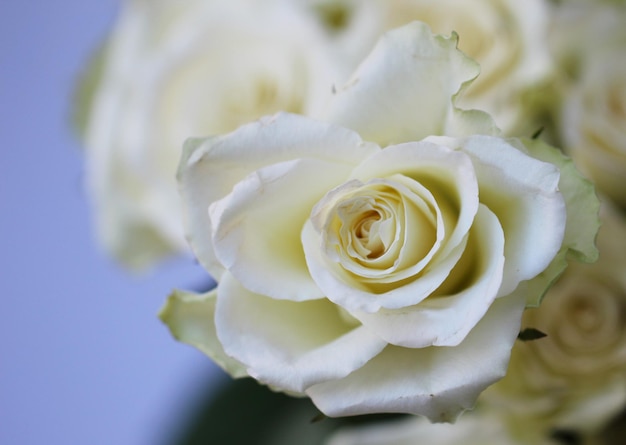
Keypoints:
pixel 371 186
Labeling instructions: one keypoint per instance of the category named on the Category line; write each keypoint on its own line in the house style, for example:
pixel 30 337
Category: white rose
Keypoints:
pixel 371 279
pixel 506 37
pixel 175 69
pixel 590 40
pixel 575 378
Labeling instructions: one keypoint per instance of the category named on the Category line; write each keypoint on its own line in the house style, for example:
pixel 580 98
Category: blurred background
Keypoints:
pixel 83 356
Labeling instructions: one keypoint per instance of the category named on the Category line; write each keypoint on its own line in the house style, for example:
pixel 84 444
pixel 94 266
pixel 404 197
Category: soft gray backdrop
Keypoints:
pixel 83 358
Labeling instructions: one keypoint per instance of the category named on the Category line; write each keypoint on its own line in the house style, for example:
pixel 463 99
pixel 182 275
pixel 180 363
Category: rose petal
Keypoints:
pixel 210 167
pixel 409 205
pixel 579 239
pixel 430 71
pixel 354 295
pixel 580 200
pixel 524 193
pixel 436 382
pixel 446 173
pixel 287 344
pixel 444 319
pixel 190 318
pixel 256 228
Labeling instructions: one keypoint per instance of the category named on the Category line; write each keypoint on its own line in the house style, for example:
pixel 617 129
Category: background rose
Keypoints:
pixel 369 278
pixel 506 37
pixel 575 378
pixel 175 69
pixel 589 40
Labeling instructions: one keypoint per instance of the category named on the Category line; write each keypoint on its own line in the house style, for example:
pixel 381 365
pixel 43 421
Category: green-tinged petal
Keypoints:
pixel 190 318
pixel 88 82
pixel 582 207
pixel 581 201
pixel 462 123
pixel 536 288
pixel 405 89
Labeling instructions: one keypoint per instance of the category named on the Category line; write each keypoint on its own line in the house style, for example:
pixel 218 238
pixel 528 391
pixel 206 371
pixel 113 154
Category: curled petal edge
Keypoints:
pixel 582 224
pixel 190 319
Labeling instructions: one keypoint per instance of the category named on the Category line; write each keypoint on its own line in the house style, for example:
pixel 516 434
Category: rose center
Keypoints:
pixel 585 317
pixel 374 234
pixel 383 230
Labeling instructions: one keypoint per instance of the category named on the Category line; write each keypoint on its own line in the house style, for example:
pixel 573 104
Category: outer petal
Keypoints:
pixel 290 345
pixel 211 167
pixel 580 200
pixel 445 319
pixel 524 193
pixel 257 226
pixel 436 382
pixel 426 71
pixel 582 224
pixel 190 318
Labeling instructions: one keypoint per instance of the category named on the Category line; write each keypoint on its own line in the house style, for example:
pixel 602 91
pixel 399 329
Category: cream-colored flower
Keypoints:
pixel 172 69
pixel 376 279
pixel 590 42
pixel 575 378
pixel 506 37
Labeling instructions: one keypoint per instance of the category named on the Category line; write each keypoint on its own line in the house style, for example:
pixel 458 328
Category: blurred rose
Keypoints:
pixel 175 69
pixel 506 37
pixel 589 40
pixel 575 378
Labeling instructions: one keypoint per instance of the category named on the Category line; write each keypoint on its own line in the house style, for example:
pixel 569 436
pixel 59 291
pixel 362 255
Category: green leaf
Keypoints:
pixel 530 334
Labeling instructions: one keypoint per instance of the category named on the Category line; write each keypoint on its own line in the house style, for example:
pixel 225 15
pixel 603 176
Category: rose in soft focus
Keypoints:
pixel 575 378
pixel 590 42
pixel 175 69
pixel 506 37
pixel 376 279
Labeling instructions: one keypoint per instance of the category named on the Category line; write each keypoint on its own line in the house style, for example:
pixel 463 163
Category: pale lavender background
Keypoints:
pixel 83 358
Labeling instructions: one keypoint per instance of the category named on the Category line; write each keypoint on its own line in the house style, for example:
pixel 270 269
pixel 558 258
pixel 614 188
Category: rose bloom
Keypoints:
pixel 376 279
pixel 575 378
pixel 590 42
pixel 175 69
pixel 506 37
